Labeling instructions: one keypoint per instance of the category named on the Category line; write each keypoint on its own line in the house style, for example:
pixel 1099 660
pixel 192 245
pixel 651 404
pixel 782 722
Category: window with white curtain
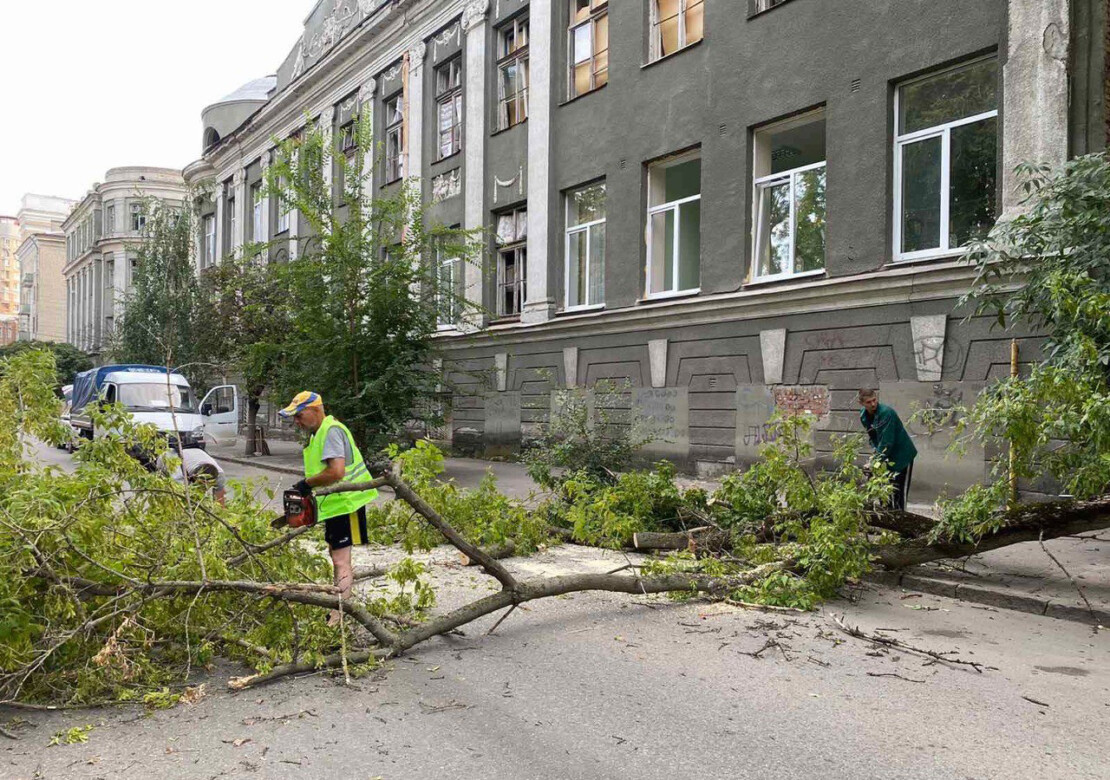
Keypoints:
pixel 585 252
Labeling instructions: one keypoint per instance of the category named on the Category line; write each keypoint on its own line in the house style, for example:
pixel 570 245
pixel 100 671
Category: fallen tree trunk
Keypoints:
pixel 907 524
pixel 1022 524
pixel 706 538
pixel 497 552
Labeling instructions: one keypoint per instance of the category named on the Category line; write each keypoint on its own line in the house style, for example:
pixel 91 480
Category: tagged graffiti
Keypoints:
pixel 760 434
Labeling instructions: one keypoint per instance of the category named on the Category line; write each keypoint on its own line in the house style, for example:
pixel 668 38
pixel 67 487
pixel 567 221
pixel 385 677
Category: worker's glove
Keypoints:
pixel 303 488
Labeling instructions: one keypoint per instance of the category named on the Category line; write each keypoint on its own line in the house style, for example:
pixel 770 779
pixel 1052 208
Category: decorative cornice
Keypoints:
pixel 475 13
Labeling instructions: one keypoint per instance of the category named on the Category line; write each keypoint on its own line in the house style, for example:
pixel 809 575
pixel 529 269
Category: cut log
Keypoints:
pixel 706 538
pixel 907 524
pixel 1022 524
pixel 497 552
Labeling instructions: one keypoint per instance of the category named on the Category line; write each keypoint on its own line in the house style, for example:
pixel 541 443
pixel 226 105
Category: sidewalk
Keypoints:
pixel 1020 577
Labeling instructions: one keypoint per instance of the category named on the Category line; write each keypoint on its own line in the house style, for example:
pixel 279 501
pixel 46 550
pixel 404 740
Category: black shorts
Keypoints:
pixel 346 530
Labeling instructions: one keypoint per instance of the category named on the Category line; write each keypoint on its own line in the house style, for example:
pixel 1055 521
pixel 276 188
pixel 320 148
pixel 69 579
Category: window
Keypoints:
pixel 449 107
pixel 589 45
pixel 232 222
pixel 256 214
pixel 512 73
pixel 945 160
pixel 282 207
pixel 209 241
pixel 138 218
pixel 674 225
pixel 110 220
pixel 789 198
pixel 348 147
pixel 585 274
pixel 675 24
pixel 394 142
pixel 759 6
pixel 449 281
pixel 512 262
pixel 109 272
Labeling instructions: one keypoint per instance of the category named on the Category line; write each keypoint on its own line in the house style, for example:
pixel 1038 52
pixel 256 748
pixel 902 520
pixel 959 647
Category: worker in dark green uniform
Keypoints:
pixel 331 457
pixel 891 442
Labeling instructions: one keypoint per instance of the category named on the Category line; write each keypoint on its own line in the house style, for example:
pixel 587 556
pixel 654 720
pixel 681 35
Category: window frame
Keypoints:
pixel 518 57
pixel 455 264
pixel 138 218
pixel 674 206
pixel 394 166
pixel 451 95
pixel 283 213
pixel 595 15
pixel 256 212
pixel 519 251
pixel 209 240
pixel 763 183
pixel 944 133
pixel 655 50
pixel 571 231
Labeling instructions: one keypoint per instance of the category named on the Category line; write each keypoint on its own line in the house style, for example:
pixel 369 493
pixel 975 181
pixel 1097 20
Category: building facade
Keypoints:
pixel 102 237
pixel 40 258
pixel 9 279
pixel 727 207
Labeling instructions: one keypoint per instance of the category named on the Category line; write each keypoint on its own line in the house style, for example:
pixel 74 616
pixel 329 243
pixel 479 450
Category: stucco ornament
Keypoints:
pixel 298 64
pixel 417 53
pixel 475 12
pixel 366 91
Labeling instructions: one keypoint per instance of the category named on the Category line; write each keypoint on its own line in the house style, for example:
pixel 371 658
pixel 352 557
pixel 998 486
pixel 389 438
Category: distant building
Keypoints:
pixel 40 257
pixel 102 235
pixel 9 280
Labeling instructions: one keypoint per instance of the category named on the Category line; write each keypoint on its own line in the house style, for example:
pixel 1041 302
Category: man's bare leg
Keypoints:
pixel 344 576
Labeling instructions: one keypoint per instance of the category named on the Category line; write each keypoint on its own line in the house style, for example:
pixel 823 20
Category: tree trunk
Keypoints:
pixel 707 538
pixel 1023 524
pixel 253 405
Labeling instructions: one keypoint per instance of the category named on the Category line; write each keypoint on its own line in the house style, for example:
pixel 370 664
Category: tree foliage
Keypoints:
pixel 68 359
pixel 1049 266
pixel 162 315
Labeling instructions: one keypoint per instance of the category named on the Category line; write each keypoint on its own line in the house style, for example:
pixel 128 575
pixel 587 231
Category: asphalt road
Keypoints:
pixel 609 686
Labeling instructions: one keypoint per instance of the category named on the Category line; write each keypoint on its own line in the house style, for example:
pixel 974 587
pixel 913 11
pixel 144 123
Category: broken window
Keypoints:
pixel 589 45
pixel 449 107
pixel 789 197
pixel 512 73
pixel 394 141
pixel 512 262
pixel 675 24
pixel 585 272
pixel 945 160
pixel 674 226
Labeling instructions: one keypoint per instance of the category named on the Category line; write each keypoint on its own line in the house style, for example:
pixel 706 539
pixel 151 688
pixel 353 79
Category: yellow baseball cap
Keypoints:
pixel 300 402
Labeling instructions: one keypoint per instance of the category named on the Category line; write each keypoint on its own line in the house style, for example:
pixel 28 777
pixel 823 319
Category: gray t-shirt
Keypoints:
pixel 337 445
pixel 191 460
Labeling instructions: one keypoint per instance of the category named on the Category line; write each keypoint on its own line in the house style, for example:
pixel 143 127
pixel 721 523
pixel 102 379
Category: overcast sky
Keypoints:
pixel 88 86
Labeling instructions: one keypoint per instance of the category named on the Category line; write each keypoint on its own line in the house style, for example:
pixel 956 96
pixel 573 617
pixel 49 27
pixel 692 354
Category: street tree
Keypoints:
pixel 369 287
pixel 68 359
pixel 163 309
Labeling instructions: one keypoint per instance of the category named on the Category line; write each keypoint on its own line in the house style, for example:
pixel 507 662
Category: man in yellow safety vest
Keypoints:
pixel 331 457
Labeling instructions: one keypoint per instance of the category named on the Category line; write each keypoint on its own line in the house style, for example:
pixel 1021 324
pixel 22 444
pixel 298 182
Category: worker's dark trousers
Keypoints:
pixel 901 487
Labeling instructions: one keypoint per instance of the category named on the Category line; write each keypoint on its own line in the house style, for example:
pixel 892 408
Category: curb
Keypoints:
pixel 257 463
pixel 991 597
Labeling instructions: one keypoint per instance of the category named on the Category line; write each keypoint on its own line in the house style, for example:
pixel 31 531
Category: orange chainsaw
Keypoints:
pixel 300 510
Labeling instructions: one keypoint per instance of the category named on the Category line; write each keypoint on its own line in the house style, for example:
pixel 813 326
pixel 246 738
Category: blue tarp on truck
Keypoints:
pixel 87 384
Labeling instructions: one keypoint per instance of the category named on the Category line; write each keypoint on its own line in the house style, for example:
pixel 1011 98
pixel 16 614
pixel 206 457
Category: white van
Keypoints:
pixel 155 396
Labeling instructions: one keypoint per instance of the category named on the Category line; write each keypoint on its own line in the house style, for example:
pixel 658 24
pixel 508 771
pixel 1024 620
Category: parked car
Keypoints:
pixel 156 395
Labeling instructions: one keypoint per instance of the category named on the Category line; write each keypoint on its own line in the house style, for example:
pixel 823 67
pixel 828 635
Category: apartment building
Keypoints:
pixel 102 237
pixel 729 207
pixel 40 256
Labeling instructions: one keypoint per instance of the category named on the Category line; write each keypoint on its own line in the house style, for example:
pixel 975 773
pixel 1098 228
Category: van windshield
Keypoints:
pixel 157 397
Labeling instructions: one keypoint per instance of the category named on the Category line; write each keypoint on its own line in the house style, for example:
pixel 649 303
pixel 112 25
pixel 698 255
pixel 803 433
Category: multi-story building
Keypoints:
pixel 102 236
pixel 41 255
pixel 731 206
pixel 9 279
